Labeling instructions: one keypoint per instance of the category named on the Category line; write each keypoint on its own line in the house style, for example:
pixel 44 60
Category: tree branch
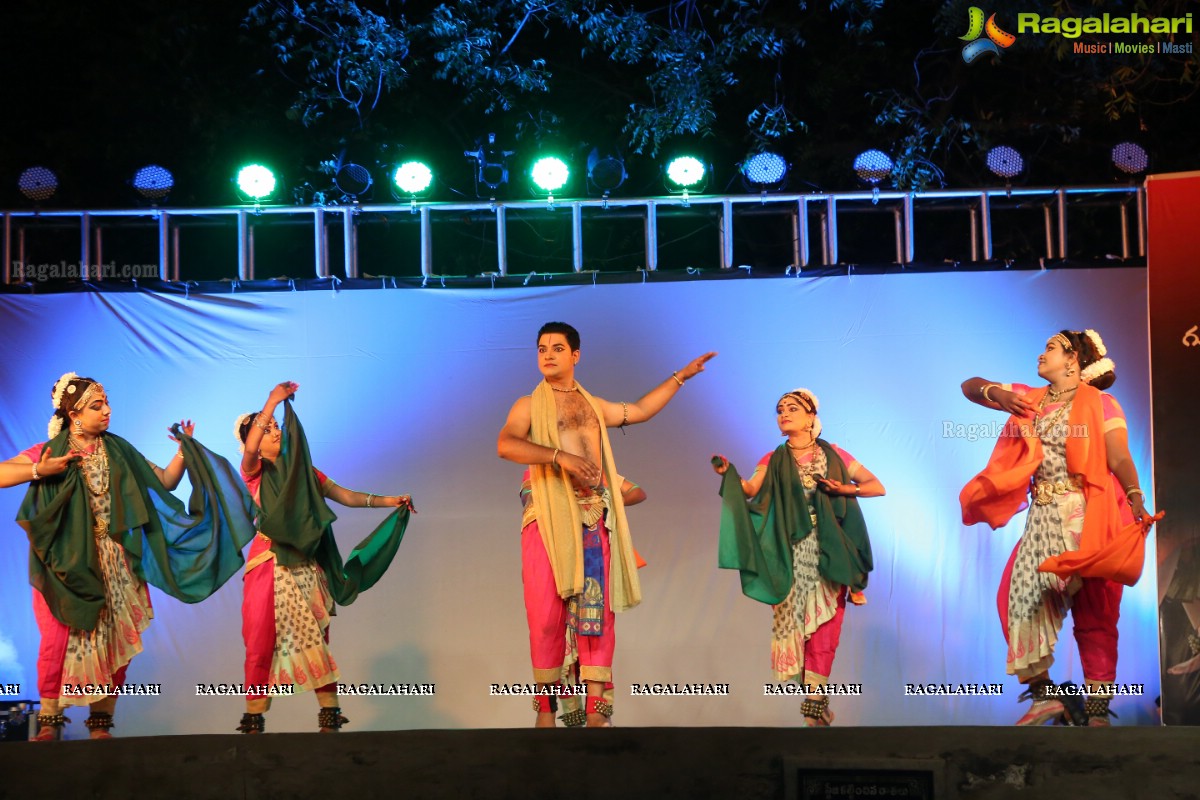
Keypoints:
pixel 520 27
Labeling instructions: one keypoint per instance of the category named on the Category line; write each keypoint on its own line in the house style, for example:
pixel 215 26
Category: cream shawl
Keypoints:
pixel 558 514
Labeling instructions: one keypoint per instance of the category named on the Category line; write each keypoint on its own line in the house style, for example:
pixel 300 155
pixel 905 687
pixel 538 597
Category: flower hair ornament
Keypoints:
pixel 1100 366
pixel 1097 342
pixel 1096 369
pixel 56 396
pixel 237 431
pixel 60 388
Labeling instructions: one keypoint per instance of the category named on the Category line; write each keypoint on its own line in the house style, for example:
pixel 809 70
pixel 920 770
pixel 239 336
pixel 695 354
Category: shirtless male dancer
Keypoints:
pixel 578 564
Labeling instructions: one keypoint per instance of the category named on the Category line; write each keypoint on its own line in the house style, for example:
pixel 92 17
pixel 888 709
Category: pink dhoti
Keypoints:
pixel 91 662
pixel 548 613
pixel 285 627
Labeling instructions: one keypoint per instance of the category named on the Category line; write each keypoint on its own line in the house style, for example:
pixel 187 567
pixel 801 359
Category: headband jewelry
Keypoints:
pixel 809 397
pixel 1063 341
pixel 88 393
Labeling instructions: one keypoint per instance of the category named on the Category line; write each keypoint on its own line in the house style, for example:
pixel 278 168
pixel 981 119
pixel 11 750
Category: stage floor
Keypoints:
pixel 942 762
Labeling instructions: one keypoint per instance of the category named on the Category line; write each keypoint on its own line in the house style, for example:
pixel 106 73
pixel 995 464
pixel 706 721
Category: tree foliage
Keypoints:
pixel 811 79
pixel 1041 94
pixel 671 65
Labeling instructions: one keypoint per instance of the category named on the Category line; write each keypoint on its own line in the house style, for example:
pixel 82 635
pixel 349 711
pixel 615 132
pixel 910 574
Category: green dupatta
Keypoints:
pixel 299 522
pixel 188 553
pixel 757 536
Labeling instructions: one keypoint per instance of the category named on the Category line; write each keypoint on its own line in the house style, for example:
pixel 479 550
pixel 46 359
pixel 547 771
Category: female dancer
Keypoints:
pixel 93 495
pixel 286 606
pixel 800 543
pixel 1066 447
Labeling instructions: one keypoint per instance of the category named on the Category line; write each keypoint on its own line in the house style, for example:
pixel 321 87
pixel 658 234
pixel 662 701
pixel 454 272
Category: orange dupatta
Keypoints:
pixel 1110 546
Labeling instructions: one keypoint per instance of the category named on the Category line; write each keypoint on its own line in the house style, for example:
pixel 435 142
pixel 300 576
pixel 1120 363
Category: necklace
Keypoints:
pixel 1048 424
pixel 574 388
pixel 94 462
pixel 1053 394
pixel 809 469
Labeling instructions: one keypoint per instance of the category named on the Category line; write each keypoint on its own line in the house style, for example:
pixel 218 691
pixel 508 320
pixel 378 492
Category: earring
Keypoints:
pixel 78 424
pixel 1070 371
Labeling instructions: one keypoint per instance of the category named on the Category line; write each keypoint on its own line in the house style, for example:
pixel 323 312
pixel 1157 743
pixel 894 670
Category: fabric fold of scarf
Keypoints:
pixel 757 536
pixel 1111 546
pixel 188 552
pixel 299 523
pixel 558 516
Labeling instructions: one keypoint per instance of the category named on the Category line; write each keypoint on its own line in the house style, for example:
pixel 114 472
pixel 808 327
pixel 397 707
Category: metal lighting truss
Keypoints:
pixel 828 207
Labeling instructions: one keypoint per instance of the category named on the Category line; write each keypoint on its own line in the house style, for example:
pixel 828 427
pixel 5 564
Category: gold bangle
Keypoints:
pixel 625 413
pixel 179 453
pixel 1132 490
pixel 554 458
pixel 35 477
pixel 370 498
pixel 678 380
pixel 986 388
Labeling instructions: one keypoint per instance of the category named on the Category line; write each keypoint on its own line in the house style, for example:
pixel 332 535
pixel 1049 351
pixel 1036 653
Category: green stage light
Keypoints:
pixel 256 181
pixel 685 172
pixel 549 173
pixel 413 177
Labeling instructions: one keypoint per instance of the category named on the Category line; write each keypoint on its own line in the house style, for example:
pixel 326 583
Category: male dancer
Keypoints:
pixel 576 553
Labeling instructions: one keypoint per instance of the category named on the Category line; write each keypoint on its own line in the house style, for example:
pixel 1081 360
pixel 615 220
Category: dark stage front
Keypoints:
pixel 942 762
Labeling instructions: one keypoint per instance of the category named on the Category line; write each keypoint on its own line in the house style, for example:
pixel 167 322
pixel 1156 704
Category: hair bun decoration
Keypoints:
pixel 1096 369
pixel 1097 342
pixel 237 431
pixel 61 388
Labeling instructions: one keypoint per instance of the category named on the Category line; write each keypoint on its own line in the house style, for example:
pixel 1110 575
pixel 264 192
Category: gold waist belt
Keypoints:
pixel 1044 492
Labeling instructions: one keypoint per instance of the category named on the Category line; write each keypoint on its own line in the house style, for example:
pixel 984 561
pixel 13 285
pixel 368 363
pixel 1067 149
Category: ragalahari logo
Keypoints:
pixel 996 37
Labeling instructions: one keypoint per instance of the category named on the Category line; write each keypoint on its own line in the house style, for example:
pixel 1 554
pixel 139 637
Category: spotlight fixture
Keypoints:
pixel 765 171
pixel 605 173
pixel 153 182
pixel 686 174
pixel 491 163
pixel 873 167
pixel 255 182
pixel 38 184
pixel 549 174
pixel 1005 162
pixel 411 179
pixel 353 180
pixel 1130 158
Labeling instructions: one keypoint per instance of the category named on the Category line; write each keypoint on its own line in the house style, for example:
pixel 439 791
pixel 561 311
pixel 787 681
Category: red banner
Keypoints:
pixel 1174 287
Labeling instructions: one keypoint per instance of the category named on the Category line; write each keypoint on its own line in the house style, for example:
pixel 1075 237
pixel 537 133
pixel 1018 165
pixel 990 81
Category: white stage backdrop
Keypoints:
pixel 405 391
